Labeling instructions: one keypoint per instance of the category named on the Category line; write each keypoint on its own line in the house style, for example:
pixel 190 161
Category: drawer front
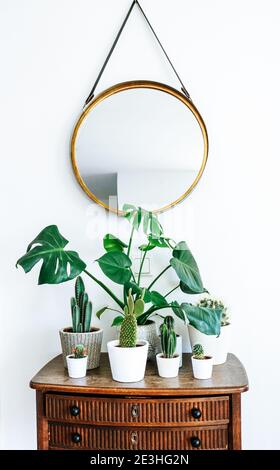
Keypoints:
pixel 137 412
pixel 70 436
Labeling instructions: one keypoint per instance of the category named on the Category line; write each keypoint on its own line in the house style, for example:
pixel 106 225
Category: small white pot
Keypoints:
pixel 128 364
pixel 168 367
pixel 215 346
pixel 202 368
pixel 179 349
pixel 77 368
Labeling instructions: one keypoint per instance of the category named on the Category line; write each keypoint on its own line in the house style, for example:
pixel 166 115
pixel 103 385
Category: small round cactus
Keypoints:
pixel 79 351
pixel 209 302
pixel 198 352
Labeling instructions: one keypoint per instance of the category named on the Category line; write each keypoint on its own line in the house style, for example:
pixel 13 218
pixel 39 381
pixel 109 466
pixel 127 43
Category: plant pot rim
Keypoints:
pixel 115 344
pixel 206 358
pixel 92 331
pixel 160 356
pixel 70 356
pixel 209 336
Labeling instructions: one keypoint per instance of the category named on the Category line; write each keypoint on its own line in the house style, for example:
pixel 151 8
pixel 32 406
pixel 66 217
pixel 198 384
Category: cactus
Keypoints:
pixel 81 309
pixel 216 304
pixel 132 309
pixel 168 337
pixel 198 352
pixel 79 351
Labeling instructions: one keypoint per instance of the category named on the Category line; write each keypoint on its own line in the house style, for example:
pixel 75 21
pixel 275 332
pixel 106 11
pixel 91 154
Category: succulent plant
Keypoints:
pixel 81 308
pixel 209 302
pixel 198 352
pixel 132 309
pixel 79 351
pixel 168 337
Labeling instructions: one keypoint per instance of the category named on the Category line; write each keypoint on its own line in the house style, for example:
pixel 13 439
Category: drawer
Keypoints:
pixel 138 411
pixel 63 436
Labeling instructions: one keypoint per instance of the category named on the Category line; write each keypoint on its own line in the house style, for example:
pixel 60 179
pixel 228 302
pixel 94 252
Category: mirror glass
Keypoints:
pixel 141 146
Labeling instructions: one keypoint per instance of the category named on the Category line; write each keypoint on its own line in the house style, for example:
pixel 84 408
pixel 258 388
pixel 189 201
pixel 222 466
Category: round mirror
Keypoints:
pixel 142 143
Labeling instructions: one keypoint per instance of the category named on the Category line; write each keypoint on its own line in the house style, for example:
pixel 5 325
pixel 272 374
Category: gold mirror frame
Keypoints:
pixel 128 86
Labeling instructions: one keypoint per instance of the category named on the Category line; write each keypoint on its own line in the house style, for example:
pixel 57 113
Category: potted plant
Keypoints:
pixel 216 345
pixel 77 362
pixel 128 356
pixel 60 265
pixel 168 361
pixel 81 331
pixel 202 365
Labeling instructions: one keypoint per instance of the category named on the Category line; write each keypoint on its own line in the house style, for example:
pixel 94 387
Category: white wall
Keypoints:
pixel 228 55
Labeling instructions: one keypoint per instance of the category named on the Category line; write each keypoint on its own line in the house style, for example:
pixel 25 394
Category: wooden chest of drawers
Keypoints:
pixel 96 413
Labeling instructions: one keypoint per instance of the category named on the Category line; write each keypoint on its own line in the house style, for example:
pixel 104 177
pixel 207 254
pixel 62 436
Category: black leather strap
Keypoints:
pixel 135 2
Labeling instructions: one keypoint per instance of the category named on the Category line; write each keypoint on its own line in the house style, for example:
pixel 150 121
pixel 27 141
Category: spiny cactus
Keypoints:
pixel 198 352
pixel 81 308
pixel 209 302
pixel 128 333
pixel 79 351
pixel 168 337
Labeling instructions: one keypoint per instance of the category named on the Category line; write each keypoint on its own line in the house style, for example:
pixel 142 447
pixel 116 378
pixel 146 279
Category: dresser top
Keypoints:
pixel 230 377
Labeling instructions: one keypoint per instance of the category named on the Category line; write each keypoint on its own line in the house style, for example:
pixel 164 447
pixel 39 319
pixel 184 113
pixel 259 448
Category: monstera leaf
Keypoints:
pixel 158 300
pixel 206 320
pixel 116 266
pixel 112 243
pixel 137 215
pixel 58 265
pixel 137 290
pixel 186 268
pixel 184 288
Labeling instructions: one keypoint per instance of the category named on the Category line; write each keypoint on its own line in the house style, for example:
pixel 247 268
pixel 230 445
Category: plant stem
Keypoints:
pixel 160 274
pixel 141 267
pixel 130 242
pixel 172 290
pixel 100 283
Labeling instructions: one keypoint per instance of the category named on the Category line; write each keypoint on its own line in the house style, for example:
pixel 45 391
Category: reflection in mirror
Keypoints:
pixel 139 145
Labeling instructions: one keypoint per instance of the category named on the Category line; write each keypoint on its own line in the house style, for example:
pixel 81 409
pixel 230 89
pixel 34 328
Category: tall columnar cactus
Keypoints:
pixel 132 309
pixel 81 308
pixel 198 352
pixel 168 337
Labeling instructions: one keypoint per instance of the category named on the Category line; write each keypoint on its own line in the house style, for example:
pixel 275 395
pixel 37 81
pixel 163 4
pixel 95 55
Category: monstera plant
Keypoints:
pixel 60 265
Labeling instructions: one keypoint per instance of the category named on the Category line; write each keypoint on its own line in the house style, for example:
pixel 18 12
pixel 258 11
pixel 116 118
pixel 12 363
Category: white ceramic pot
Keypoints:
pixel 179 348
pixel 77 368
pixel 215 346
pixel 202 368
pixel 168 367
pixel 128 364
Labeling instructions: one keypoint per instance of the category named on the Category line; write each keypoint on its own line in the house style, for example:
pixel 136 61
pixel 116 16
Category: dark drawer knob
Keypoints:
pixel 134 438
pixel 76 437
pixel 196 413
pixel 195 442
pixel 135 411
pixel 74 410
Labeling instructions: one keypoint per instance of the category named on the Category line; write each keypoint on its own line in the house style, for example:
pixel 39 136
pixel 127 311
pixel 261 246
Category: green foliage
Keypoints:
pixel 168 337
pixel 58 265
pixel 128 333
pixel 79 351
pixel 116 266
pixel 81 308
pixel 198 352
pixel 206 320
pixel 209 302
pixel 112 243
pixel 186 268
